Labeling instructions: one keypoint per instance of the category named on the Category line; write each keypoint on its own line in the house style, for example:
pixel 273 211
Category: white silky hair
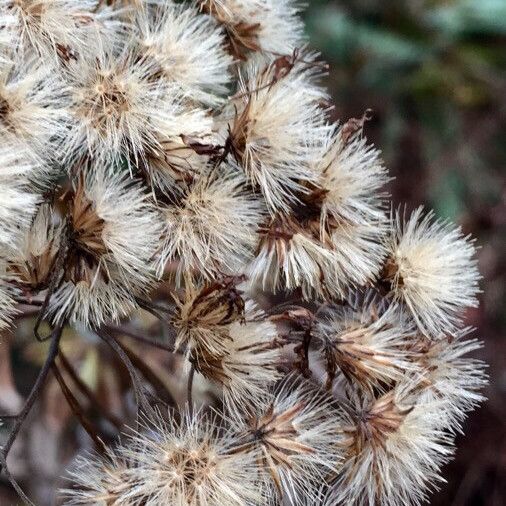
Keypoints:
pixel 436 271
pixel 285 130
pixel 36 101
pixel 189 48
pixel 212 229
pixel 406 466
pixel 131 233
pixel 190 463
pixel 119 111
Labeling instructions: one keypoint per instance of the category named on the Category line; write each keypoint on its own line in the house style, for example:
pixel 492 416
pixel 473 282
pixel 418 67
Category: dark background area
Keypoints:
pixel 434 74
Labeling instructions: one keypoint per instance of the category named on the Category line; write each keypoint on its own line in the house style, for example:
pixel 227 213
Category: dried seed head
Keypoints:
pixel 188 48
pixel 432 271
pixel 368 343
pixel 447 374
pixel 291 433
pixel 263 27
pixel 190 464
pixel 277 128
pixel 33 99
pixel 351 215
pixel 33 266
pixel 119 111
pixel 101 481
pixel 288 257
pixel 204 315
pixel 247 360
pixel 211 229
pixel 393 450
pixel 96 245
pixel 48 26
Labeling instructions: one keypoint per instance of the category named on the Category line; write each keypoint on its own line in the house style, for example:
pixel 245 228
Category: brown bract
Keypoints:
pixel 374 424
pixel 86 245
pixel 242 37
pixel 215 304
pixel 276 436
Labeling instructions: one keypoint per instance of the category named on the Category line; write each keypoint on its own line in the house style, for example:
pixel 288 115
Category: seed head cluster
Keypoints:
pixel 179 158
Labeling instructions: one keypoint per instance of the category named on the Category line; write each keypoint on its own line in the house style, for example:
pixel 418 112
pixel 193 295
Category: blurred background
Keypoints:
pixel 434 74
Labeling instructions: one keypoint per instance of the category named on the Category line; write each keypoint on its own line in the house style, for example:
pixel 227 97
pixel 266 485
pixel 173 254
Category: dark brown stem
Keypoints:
pixel 189 396
pixel 14 484
pixel 143 339
pixel 149 375
pixel 77 409
pixel 140 396
pixel 156 310
pixel 36 389
pixel 83 387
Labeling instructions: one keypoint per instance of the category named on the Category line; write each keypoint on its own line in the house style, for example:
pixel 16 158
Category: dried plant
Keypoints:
pixel 170 180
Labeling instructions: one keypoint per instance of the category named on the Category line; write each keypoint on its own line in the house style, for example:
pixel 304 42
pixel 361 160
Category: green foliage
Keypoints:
pixel 434 72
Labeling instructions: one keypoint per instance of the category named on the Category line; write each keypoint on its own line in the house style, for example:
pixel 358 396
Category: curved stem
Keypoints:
pixel 34 393
pixel 138 337
pixel 191 377
pixel 83 387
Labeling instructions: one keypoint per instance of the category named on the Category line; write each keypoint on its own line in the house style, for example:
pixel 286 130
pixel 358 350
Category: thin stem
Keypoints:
pixel 189 395
pixel 140 397
pixel 36 389
pixel 156 310
pixel 149 375
pixel 138 337
pixel 14 484
pixel 83 387
pixel 77 409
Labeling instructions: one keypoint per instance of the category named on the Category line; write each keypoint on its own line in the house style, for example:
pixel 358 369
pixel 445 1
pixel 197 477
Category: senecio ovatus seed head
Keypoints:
pixel 179 158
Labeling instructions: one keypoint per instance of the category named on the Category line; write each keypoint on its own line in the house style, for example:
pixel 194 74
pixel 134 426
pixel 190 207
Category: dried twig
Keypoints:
pixel 78 410
pixel 113 419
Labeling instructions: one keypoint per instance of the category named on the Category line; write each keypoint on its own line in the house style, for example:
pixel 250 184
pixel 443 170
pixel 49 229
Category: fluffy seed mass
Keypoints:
pixel 171 179
pixel 432 270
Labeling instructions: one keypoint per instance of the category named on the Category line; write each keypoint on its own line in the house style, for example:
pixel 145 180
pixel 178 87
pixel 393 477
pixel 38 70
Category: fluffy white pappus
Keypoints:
pixel 98 480
pixel 277 128
pixel 7 303
pixel 110 260
pixel 190 463
pixel 448 374
pixel 120 111
pixel 393 451
pixel 353 218
pixel 32 263
pixel 270 27
pixel 53 28
pixel 432 270
pixel 368 344
pixel 131 223
pixel 17 202
pixel 248 360
pixel 33 102
pixel 290 257
pixel 174 164
pixel 6 21
pixel 189 48
pixel 357 255
pixel 211 230
pixel 291 432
